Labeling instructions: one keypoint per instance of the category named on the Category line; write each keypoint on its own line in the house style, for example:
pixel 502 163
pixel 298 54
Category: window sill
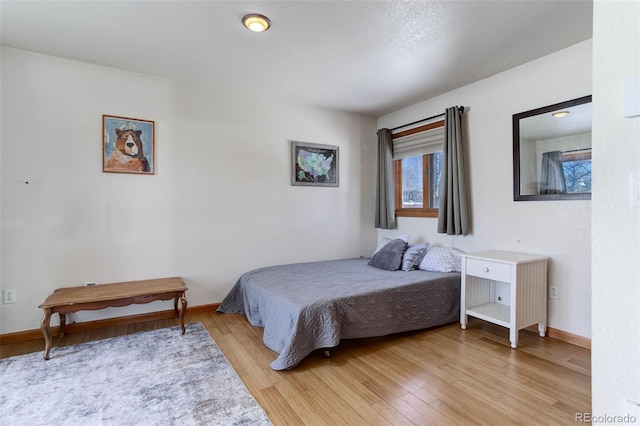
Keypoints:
pixel 416 213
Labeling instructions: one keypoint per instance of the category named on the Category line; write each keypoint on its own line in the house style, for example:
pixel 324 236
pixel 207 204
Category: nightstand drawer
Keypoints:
pixel 490 270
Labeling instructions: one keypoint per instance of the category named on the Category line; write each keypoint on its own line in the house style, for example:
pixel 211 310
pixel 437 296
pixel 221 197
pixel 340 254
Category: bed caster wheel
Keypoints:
pixel 327 353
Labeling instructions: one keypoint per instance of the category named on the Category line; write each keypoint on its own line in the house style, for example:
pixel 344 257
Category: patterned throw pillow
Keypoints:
pixel 441 259
pixel 413 256
pixel 389 257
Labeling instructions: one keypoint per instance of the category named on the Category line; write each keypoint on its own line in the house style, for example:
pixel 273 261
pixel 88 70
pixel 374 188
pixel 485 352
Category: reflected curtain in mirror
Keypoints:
pixel 453 216
pixel 385 208
pixel 551 174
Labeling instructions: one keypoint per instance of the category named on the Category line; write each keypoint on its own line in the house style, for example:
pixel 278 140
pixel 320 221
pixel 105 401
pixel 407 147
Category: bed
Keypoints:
pixel 309 306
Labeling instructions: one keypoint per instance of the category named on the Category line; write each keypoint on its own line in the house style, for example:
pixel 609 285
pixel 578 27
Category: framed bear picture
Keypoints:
pixel 128 145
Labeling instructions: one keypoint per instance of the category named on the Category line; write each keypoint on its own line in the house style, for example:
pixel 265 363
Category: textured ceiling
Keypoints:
pixel 370 57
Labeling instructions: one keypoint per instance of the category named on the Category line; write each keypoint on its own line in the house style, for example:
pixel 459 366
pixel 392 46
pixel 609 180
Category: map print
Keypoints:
pixel 316 166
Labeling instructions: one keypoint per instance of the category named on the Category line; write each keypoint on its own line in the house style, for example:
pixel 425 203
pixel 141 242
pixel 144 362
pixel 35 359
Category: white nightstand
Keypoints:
pixel 508 289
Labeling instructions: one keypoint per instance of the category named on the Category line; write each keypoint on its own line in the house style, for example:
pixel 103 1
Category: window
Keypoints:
pixel 417 161
pixel 576 166
pixel 417 179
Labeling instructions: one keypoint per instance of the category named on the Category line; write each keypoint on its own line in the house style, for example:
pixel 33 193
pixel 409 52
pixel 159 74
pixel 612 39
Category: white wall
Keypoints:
pixel 616 225
pixel 558 229
pixel 220 204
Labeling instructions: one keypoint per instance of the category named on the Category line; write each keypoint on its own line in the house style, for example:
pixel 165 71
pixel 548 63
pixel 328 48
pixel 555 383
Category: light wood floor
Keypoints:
pixel 439 376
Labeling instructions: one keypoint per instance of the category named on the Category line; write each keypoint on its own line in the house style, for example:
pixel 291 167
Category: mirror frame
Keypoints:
pixel 516 152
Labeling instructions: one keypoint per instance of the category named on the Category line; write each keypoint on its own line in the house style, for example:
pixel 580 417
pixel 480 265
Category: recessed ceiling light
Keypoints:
pixel 256 23
pixel 560 114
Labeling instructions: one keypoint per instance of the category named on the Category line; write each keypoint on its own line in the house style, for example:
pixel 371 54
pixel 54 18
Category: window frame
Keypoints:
pixel 428 178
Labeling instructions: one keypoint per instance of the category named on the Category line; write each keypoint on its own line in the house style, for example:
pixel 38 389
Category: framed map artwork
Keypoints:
pixel 314 164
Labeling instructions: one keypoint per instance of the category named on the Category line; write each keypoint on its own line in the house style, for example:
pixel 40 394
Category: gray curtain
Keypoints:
pixel 385 204
pixel 551 174
pixel 453 216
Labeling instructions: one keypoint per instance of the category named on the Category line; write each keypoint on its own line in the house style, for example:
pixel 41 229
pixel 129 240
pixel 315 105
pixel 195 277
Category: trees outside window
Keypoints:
pixel 417 179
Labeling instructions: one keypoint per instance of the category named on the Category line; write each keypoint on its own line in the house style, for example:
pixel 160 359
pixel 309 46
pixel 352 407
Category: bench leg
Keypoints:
pixel 63 322
pixel 44 326
pixel 175 307
pixel 182 311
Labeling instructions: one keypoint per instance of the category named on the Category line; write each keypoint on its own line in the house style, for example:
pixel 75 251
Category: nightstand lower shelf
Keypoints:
pixel 496 313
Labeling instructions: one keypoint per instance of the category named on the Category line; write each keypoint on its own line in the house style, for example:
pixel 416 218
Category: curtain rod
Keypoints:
pixel 578 149
pixel 461 109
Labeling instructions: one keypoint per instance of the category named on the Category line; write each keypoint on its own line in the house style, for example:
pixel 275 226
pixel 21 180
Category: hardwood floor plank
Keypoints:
pixel 387 412
pixel 350 388
pixel 243 361
pixel 335 407
pixel 585 363
pixel 500 382
pixel 277 407
pixel 477 410
pixel 581 401
pixel 384 390
pixel 420 412
pixel 397 368
pixel 302 404
pixel 452 415
pixel 512 402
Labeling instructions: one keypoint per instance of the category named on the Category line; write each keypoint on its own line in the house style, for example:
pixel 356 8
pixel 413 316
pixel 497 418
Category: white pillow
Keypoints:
pixel 385 240
pixel 441 259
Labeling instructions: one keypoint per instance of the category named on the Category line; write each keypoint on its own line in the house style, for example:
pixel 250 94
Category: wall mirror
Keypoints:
pixel 552 152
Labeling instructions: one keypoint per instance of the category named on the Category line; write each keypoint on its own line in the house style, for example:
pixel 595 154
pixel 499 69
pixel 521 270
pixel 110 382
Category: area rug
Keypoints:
pixel 159 377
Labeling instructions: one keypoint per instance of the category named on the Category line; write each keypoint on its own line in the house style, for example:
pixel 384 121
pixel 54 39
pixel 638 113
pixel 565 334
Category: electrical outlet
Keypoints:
pixel 553 292
pixel 9 296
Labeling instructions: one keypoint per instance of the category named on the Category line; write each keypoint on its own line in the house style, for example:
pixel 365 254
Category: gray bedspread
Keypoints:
pixel 308 306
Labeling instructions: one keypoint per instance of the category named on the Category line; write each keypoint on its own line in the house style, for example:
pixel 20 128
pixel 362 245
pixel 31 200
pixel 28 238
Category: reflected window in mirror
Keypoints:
pixel 552 152
pixel 576 166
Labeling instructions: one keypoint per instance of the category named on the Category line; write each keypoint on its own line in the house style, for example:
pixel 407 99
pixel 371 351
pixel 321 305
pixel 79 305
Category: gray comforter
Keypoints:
pixel 308 306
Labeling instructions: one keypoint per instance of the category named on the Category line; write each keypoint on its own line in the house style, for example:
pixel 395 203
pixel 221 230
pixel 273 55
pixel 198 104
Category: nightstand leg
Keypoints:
pixel 513 336
pixel 542 329
pixel 463 305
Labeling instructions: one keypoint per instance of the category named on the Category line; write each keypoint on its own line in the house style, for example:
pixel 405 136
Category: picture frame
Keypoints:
pixel 314 164
pixel 128 145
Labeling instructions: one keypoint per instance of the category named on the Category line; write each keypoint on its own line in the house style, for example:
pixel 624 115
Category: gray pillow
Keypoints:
pixel 389 257
pixel 413 256
pixel 385 241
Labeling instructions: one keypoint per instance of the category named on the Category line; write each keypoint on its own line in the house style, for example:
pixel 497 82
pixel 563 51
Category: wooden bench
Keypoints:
pixel 73 299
